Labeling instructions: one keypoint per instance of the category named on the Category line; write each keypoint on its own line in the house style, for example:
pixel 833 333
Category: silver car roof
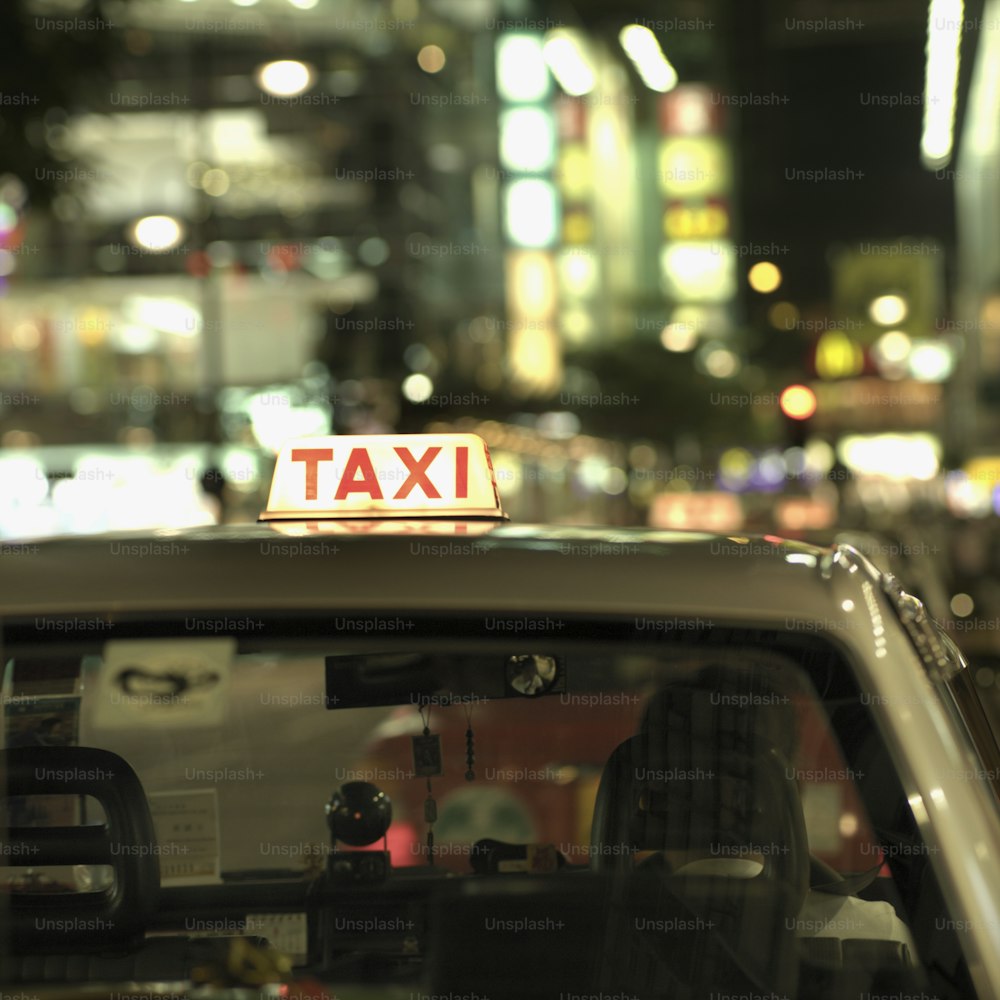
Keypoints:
pixel 513 568
pixel 545 570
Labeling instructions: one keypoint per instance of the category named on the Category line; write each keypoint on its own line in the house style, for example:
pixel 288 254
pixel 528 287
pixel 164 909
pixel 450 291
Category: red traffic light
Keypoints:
pixel 798 402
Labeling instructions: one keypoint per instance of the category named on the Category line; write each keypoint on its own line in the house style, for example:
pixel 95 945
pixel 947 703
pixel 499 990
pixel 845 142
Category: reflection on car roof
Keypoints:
pixel 739 579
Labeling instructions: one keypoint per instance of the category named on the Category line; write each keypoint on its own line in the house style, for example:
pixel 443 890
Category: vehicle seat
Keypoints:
pixel 97 935
pixel 116 916
pixel 702 780
pixel 709 773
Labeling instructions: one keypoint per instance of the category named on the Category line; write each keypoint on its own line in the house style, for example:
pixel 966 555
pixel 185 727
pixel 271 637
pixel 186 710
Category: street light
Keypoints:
pixel 285 77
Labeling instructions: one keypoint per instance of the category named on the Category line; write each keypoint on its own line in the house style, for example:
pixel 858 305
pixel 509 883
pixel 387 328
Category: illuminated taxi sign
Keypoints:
pixel 382 476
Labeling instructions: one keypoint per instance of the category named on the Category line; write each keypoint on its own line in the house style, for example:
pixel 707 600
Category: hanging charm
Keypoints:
pixel 427 751
pixel 470 747
pixel 427 764
pixel 430 817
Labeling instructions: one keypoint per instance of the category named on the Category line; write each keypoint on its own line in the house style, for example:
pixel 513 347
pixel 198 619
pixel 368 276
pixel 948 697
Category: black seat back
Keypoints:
pixel 708 776
pixel 113 917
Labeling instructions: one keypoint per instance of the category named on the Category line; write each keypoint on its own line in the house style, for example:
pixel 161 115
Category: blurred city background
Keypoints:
pixel 731 266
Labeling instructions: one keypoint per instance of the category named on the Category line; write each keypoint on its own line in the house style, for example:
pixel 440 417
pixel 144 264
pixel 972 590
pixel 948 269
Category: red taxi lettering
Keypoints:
pixel 417 473
pixel 343 478
pixel 312 457
pixel 462 472
pixel 349 483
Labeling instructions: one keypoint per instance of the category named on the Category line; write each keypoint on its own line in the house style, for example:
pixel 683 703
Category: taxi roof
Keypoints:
pixel 503 567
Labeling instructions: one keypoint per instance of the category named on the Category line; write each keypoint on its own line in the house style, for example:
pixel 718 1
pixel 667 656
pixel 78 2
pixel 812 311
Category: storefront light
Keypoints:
pixel 285 77
pixel 25 481
pixel 215 182
pixel 157 233
pixel 771 469
pixel 891 456
pixel 719 362
pixel 735 467
pixel 534 360
pixel 944 46
pixel 592 471
pixel 697 272
pixel 615 481
pixel 8 218
pixel 417 388
pixel 25 336
pixel 132 338
pixel 962 605
pixel 531 213
pixel 531 287
pixel 764 277
pixel 575 171
pixel 893 346
pixel 888 310
pixel 579 273
pixel 558 425
pixel 651 64
pixel 431 59
pixel 679 337
pixel 965 497
pixel 693 166
pixel 820 457
pixel 167 314
pixel 275 417
pixel 527 140
pixel 522 74
pixel 931 361
pixel 566 57
pixel 838 356
pixel 577 325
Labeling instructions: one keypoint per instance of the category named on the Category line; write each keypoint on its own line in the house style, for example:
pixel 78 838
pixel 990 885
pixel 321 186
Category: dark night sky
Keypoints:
pixel 830 122
pixel 824 124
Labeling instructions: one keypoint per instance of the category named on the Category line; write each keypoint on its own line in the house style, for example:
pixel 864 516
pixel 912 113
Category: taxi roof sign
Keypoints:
pixel 384 476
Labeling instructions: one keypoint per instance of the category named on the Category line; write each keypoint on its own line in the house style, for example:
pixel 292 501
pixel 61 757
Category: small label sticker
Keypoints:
pixel 42 720
pixel 427 755
pixel 187 836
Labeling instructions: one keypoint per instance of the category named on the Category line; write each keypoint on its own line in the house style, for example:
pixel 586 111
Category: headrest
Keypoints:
pixel 736 708
pixel 708 774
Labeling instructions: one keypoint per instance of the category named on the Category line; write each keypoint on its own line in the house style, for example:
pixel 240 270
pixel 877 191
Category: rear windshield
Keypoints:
pixel 661 812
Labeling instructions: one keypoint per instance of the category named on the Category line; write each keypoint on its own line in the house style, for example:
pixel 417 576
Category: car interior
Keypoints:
pixel 712 811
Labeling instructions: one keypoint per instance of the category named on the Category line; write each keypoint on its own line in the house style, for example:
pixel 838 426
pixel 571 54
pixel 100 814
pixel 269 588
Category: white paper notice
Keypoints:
pixel 168 683
pixel 187 835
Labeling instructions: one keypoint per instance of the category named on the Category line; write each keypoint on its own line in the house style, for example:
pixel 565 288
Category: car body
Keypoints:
pixel 396 612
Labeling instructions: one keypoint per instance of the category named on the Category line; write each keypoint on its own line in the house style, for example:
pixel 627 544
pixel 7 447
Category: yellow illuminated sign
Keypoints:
pixel 985 469
pixel 838 356
pixel 694 222
pixel 694 167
